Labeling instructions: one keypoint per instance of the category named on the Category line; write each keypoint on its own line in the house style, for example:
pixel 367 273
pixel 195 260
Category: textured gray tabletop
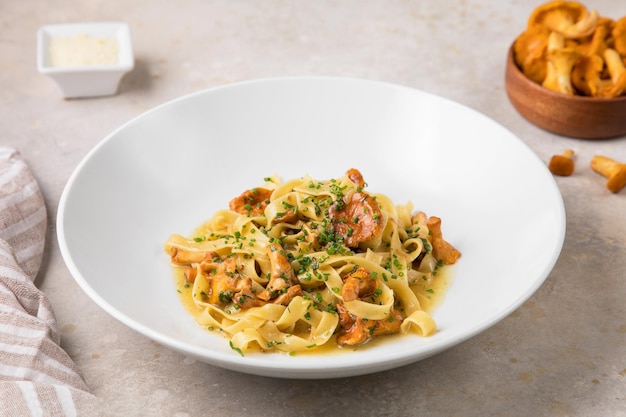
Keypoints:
pixel 563 353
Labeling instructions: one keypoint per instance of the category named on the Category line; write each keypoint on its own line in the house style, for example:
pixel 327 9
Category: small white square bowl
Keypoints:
pixel 86 80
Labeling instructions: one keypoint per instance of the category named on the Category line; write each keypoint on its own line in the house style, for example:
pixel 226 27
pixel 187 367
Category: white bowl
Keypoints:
pixel 170 169
pixel 86 80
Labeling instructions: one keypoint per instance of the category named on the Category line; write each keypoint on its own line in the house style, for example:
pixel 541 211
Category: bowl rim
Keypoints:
pixel 517 72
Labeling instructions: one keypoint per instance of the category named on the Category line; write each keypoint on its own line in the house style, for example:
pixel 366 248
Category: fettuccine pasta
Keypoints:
pixel 296 265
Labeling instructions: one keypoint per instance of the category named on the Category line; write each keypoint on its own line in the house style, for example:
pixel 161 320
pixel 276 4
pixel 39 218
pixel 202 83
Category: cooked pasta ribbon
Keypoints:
pixel 296 265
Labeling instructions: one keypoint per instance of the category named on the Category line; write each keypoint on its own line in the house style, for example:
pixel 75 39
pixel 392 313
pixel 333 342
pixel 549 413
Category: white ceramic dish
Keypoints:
pixel 86 80
pixel 169 169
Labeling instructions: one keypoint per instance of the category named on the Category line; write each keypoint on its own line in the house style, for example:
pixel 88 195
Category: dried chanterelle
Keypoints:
pixel 530 52
pixel 569 18
pixel 613 170
pixel 586 75
pixel 616 69
pixel 619 36
pixel 564 48
pixel 563 164
pixel 561 61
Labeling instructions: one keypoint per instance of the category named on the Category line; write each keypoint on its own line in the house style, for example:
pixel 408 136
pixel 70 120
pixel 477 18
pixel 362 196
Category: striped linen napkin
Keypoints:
pixel 37 377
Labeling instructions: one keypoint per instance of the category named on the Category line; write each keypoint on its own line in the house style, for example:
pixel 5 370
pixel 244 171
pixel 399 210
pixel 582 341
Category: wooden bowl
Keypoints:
pixel 573 116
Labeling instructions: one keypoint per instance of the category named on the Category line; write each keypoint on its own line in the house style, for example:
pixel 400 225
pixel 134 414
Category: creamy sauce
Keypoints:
pixel 83 50
pixel 430 298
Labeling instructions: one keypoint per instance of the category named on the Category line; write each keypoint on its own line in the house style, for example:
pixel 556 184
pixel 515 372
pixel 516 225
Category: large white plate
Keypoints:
pixel 171 168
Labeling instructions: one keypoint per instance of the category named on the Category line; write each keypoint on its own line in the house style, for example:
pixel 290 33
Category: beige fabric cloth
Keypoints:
pixel 37 377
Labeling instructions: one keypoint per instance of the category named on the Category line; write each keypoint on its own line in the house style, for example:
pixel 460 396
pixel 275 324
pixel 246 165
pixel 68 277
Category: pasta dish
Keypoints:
pixel 292 266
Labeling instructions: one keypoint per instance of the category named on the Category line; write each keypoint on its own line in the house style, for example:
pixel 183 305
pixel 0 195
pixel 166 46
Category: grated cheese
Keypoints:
pixel 82 50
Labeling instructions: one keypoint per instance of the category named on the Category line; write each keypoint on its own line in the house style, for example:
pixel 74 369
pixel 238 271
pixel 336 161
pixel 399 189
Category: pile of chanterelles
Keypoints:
pixel 572 50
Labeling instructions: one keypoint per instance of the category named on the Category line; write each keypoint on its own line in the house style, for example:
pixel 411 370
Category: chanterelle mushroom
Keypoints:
pixel 530 52
pixel 617 70
pixel 613 170
pixel 619 36
pixel 586 75
pixel 571 19
pixel 598 42
pixel 563 164
pixel 561 60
